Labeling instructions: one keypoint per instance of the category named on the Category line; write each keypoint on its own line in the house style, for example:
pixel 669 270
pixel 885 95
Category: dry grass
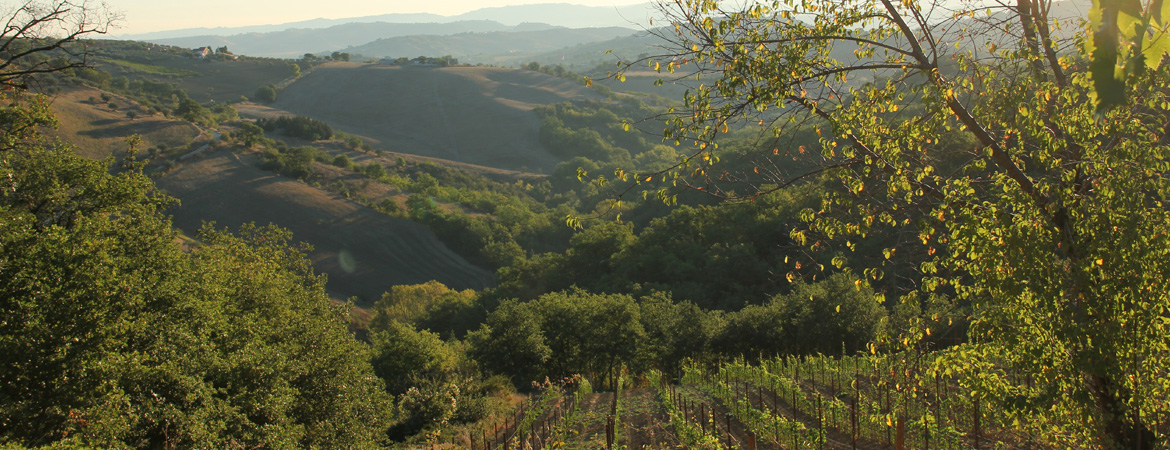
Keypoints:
pixel 475 115
pixel 363 251
pixel 98 131
pixel 221 81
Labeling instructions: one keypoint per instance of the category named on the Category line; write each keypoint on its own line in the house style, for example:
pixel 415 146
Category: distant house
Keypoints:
pixel 203 52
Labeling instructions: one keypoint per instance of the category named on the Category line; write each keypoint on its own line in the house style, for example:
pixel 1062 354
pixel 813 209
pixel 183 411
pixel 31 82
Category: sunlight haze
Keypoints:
pixel 144 16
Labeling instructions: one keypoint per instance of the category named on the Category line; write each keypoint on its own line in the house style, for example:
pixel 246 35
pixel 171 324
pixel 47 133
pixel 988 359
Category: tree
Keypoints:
pixel 266 94
pixel 832 316
pixel 975 133
pixel 42 37
pixel 249 134
pixel 404 356
pixel 511 343
pixel 191 111
pixel 114 337
pixel 374 170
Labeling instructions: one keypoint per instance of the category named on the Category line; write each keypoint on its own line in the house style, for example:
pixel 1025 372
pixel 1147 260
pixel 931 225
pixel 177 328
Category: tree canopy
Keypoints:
pixel 973 132
pixel 113 334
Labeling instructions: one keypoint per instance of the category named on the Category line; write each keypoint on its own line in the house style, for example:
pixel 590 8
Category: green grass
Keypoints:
pixel 151 69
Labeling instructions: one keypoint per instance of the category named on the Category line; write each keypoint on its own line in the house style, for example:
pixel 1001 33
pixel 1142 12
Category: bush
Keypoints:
pixel 390 206
pixel 298 126
pixel 343 161
pixel 266 94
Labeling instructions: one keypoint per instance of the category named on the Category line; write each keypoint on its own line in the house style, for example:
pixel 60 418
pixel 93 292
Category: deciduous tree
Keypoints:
pixel 973 130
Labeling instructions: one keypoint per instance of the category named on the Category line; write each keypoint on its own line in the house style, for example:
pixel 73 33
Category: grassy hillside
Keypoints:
pixel 476 115
pixel 488 47
pixel 294 42
pixel 203 80
pixel 363 252
pixel 98 131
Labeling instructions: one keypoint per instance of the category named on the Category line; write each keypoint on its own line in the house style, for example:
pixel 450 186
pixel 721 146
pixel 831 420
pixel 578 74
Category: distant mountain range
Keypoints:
pixel 554 14
pixel 295 42
pixel 489 47
pixel 537 28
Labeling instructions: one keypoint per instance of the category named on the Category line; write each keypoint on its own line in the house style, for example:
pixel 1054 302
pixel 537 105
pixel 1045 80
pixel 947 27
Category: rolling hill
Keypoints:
pixel 489 47
pixel 555 14
pixel 295 42
pixel 475 115
pixel 98 131
pixel 362 251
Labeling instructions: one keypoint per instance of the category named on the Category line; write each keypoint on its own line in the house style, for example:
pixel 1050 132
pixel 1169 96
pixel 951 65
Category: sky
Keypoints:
pixel 144 16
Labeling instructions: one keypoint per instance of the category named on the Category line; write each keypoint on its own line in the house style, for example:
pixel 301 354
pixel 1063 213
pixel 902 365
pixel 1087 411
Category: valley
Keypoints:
pixel 804 225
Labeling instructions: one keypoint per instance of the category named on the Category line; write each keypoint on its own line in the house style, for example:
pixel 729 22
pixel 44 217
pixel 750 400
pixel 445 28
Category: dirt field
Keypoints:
pixel 363 252
pixel 475 115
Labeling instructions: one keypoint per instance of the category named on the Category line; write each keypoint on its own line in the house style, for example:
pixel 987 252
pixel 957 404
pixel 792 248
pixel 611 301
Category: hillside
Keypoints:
pixel 363 252
pixel 295 42
pixel 203 80
pixel 556 14
pixel 475 115
pixel 488 47
pixel 98 131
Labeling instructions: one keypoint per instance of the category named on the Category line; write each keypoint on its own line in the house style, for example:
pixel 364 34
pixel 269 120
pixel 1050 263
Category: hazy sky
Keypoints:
pixel 144 16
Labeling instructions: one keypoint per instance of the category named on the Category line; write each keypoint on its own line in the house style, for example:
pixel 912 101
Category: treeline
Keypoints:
pixel 575 331
pixel 442 61
pixel 114 336
pixel 297 126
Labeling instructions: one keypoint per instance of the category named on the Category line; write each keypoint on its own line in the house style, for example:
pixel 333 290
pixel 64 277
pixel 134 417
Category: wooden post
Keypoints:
pixel 978 432
pixel 900 442
pixel 853 425
pixel 728 417
pixel 751 441
pixel 609 434
pixel 889 410
pixel 820 422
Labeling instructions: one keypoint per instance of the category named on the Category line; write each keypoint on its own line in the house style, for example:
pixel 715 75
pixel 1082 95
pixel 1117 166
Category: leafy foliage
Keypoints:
pixel 298 126
pixel 1050 224
pixel 114 336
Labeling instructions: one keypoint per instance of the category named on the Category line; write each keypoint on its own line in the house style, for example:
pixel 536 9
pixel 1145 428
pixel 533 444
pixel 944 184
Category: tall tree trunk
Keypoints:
pixel 1122 429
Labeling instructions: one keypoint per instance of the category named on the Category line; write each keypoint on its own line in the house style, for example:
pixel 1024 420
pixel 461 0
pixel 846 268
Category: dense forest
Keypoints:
pixel 952 234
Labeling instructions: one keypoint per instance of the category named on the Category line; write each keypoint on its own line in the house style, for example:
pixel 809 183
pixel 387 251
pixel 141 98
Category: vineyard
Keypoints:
pixel 861 402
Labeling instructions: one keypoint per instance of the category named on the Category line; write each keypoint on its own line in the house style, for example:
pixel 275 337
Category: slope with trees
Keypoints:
pixel 1047 226
pixel 113 336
